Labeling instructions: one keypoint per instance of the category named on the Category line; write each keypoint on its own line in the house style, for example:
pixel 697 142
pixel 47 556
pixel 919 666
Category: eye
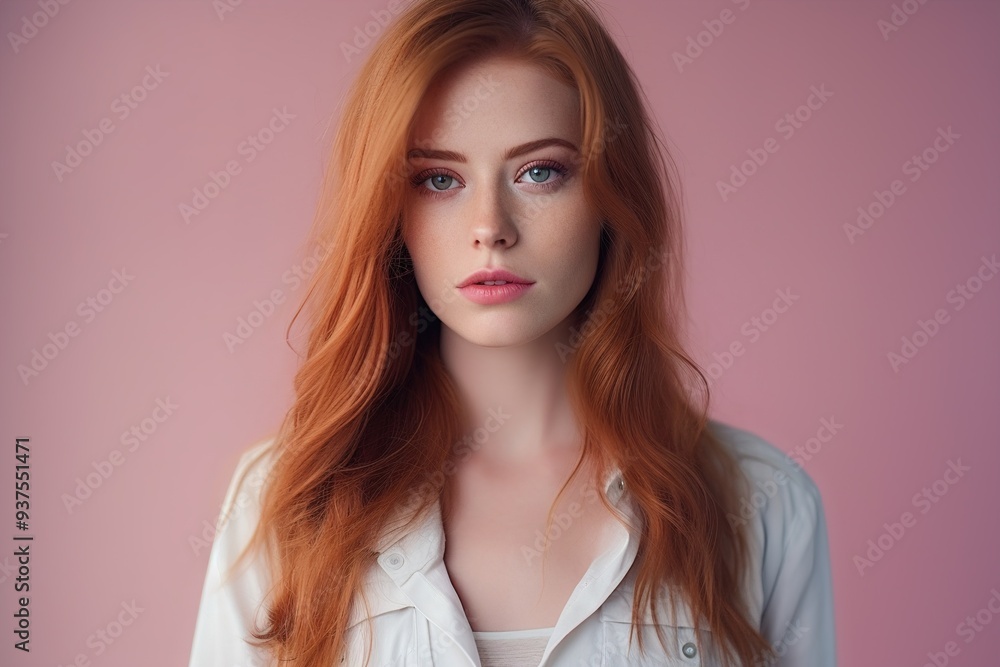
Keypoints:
pixel 439 180
pixel 541 173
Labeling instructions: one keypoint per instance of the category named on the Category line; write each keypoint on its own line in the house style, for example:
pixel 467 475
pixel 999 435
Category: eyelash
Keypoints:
pixel 421 178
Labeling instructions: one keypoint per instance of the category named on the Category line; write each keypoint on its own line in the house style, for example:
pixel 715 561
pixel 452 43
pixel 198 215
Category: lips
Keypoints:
pixel 496 276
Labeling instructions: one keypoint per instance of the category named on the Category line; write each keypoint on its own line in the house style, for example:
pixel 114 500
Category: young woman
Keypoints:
pixel 499 453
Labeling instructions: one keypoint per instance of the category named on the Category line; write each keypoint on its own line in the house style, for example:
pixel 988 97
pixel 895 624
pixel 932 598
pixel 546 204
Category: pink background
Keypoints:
pixel 826 357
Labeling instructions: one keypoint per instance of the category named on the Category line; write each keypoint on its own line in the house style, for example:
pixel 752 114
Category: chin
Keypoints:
pixel 505 334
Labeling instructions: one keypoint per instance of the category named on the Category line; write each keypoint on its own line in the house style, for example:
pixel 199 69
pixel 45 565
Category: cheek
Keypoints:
pixel 426 255
pixel 573 241
pixel 416 238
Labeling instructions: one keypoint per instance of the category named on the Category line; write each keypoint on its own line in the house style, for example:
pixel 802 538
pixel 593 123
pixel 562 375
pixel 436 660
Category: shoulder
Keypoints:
pixel 790 581
pixel 256 461
pixel 232 598
pixel 237 522
pixel 252 470
pixel 779 492
pixel 258 457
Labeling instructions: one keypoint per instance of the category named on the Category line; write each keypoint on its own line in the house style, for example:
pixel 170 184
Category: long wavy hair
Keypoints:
pixel 375 415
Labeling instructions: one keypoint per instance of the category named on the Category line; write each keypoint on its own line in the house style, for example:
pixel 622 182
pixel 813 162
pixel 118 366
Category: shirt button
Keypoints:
pixel 689 650
pixel 621 484
pixel 394 561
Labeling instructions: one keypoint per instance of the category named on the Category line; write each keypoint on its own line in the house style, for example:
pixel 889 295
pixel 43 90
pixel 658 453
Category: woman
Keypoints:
pixel 499 453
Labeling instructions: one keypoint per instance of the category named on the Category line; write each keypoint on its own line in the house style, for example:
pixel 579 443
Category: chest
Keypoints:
pixel 511 569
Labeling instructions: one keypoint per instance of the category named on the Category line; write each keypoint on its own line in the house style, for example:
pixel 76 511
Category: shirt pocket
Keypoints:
pixel 396 640
pixel 679 649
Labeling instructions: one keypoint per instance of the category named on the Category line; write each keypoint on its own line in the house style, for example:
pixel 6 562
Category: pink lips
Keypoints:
pixel 513 286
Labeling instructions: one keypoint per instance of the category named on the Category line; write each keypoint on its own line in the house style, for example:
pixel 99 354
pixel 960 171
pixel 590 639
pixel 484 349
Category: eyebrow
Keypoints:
pixel 511 152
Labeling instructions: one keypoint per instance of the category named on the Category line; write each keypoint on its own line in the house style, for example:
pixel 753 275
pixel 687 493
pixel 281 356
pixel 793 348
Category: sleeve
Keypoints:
pixel 228 609
pixel 798 620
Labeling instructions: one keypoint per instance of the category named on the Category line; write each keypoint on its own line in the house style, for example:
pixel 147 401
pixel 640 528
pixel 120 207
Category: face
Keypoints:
pixel 493 157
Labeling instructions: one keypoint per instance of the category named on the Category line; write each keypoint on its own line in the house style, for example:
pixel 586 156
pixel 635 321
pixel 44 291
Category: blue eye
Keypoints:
pixel 546 171
pixel 540 173
pixel 436 179
pixel 435 182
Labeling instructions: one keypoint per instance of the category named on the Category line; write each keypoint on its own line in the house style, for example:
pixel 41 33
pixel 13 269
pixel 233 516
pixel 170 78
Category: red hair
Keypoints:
pixel 374 414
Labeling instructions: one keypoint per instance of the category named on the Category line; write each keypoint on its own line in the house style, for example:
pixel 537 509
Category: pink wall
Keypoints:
pixel 158 335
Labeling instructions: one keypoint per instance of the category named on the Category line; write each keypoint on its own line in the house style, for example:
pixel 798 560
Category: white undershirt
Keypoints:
pixel 512 648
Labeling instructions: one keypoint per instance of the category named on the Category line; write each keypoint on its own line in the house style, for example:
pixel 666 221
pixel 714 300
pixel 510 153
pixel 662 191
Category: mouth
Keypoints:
pixel 494 292
pixel 494 278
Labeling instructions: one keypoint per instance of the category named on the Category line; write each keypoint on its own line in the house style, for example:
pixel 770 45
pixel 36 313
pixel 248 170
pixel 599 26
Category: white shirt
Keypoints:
pixel 418 618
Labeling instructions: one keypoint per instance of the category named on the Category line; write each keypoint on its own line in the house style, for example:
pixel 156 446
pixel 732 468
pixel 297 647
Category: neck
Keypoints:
pixel 516 394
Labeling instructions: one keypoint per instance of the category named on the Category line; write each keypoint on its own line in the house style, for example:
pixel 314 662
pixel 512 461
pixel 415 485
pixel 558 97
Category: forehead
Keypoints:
pixel 495 103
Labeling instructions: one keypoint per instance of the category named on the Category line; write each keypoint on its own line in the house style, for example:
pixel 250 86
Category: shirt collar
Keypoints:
pixel 419 548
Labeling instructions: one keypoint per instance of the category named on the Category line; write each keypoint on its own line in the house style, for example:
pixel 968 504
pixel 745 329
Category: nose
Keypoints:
pixel 493 223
